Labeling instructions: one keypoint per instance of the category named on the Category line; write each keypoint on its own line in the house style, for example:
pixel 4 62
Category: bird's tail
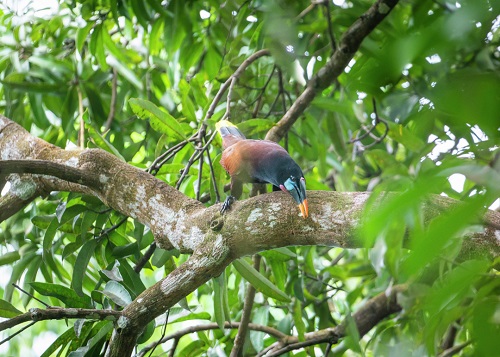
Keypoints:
pixel 229 132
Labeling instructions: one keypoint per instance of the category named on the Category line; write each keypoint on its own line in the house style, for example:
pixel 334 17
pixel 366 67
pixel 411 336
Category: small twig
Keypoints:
pixel 291 347
pixel 338 258
pixel 330 27
pixel 309 276
pixel 164 330
pixel 449 338
pixel 237 74
pixel 229 97
pixel 81 134
pixel 185 171
pixel 17 332
pixel 213 326
pixel 112 105
pixel 455 349
pixel 196 155
pixel 214 182
pixel 31 296
pixel 328 349
pixel 305 11
pixel 167 155
pixel 200 175
pixel 258 101
pixel 174 347
pixel 106 231
pixel 145 258
pixel 369 131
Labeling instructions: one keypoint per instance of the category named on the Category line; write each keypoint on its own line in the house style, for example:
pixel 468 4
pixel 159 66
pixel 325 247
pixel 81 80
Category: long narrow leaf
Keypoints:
pixel 259 281
pixel 160 121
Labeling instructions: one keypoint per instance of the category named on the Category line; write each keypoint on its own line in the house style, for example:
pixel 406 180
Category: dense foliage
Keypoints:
pixel 418 103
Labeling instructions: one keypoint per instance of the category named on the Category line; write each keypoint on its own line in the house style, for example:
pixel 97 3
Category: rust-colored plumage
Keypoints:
pixel 259 161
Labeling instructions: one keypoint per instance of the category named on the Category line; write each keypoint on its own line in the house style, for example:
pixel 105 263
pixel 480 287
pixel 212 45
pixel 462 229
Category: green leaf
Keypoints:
pixel 297 318
pixel 259 282
pixel 88 219
pixel 352 338
pixel 68 296
pixel 98 139
pixel 17 271
pixel 39 115
pixel 9 258
pixel 192 316
pixel 482 175
pixel 64 339
pixel 117 293
pixel 193 349
pixel 18 82
pixel 404 136
pixel 103 329
pixel 333 105
pixel 82 261
pixel 131 279
pixel 49 235
pixel 8 310
pixel 160 121
pixel 255 126
pixel 97 46
pixel 427 247
pixel 81 36
pixel 219 284
pixel 158 7
pixel 486 327
pixel 260 317
pixel 452 287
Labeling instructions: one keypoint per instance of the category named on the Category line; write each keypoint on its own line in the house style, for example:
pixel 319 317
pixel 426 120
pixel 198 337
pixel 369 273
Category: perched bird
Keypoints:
pixel 259 161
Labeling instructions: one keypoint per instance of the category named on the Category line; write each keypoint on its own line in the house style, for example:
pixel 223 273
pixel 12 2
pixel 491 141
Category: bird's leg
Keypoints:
pixel 236 190
pixel 226 205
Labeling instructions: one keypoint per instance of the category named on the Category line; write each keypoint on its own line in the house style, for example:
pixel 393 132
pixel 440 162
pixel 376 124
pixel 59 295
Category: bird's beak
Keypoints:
pixel 298 192
pixel 304 209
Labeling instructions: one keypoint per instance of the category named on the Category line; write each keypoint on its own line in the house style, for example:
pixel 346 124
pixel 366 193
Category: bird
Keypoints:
pixel 259 161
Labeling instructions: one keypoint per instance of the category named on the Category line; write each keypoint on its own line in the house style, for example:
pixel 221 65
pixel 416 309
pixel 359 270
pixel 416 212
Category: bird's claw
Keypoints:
pixel 226 205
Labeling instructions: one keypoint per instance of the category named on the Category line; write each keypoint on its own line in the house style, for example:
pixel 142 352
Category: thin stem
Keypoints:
pixel 32 296
pixel 239 340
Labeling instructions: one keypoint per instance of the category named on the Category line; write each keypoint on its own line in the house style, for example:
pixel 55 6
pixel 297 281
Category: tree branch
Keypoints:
pixel 213 326
pixel 349 44
pixel 367 317
pixel 50 168
pixel 56 313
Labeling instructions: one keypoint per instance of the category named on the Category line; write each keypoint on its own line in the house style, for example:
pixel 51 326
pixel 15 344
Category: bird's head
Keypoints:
pixel 296 186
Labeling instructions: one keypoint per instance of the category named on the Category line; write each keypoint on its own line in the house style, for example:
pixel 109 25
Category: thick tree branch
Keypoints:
pixel 46 167
pixel 12 203
pixel 349 44
pixel 207 262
